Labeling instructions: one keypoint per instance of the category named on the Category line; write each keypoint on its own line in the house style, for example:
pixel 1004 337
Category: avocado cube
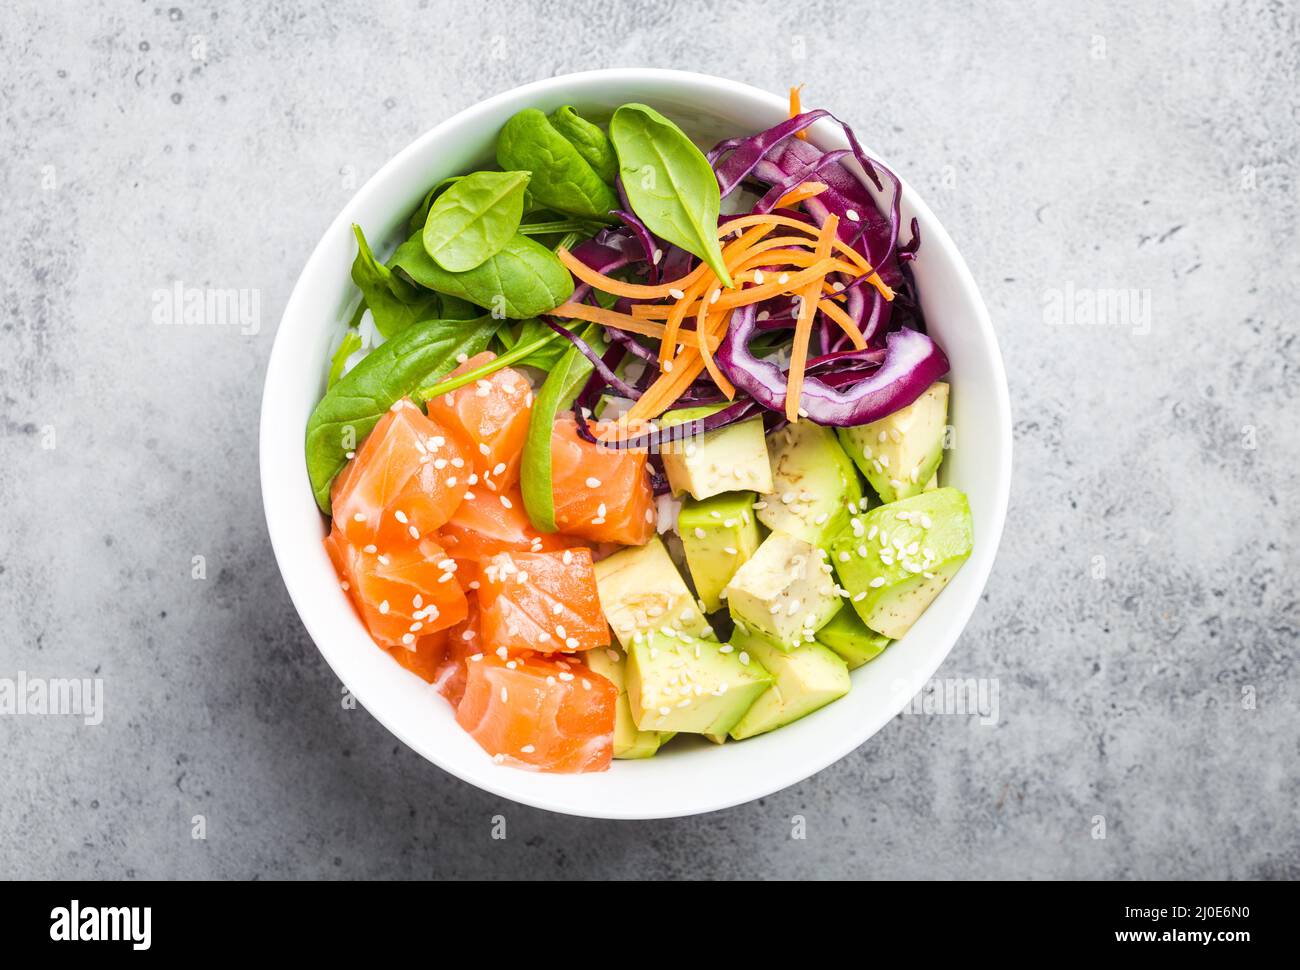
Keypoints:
pixel 901 452
pixel 640 589
pixel 785 592
pixel 719 534
pixel 806 678
pixel 730 459
pixel 849 637
pixel 629 742
pixel 895 559
pixel 813 484
pixel 677 682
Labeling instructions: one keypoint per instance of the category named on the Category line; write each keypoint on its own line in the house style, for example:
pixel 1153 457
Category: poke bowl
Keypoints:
pixel 816 682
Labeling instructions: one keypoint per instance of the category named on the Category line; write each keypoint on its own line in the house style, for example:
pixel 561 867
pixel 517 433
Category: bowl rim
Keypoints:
pixel 494 779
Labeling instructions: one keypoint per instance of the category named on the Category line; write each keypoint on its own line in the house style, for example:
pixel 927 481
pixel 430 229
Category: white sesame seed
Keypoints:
pixel 877 582
pixel 593 483
pixel 676 294
pixel 383 607
pixel 505 501
pixel 852 215
pixel 408 638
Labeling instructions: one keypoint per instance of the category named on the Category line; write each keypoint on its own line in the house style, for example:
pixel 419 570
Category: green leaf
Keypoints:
pixel 561 385
pixel 418 217
pixel 524 279
pixel 473 219
pixel 394 303
pixel 350 345
pixel 668 182
pixel 421 353
pixel 552 350
pixel 591 143
pixel 562 179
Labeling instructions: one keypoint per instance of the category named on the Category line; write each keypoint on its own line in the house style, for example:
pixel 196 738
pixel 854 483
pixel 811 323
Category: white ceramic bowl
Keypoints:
pixel 681 780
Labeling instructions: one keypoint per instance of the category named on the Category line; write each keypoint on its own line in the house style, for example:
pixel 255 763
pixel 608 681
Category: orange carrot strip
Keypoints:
pixel 732 252
pixel 618 321
pixel 838 244
pixel 803 325
pixel 800 192
pixel 635 291
pixel 795 109
pixel 744 274
pixel 702 329
pixel 836 313
pixel 778 287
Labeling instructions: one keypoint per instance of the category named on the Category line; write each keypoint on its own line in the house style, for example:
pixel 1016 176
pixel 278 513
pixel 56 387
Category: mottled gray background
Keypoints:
pixel 1104 148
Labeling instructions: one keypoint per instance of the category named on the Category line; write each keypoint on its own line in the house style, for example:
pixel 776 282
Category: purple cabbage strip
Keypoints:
pixel 735 168
pixel 606 373
pixel 911 363
pixel 736 411
pixel 587 399
pixel 647 242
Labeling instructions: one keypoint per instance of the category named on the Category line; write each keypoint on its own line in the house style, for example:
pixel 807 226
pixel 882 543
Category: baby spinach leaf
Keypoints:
pixel 523 280
pixel 418 217
pixel 552 345
pixel 421 353
pixel 564 381
pixel 394 303
pixel 350 345
pixel 668 182
pixel 592 143
pixel 473 219
pixel 518 353
pixel 562 178
pixel 454 308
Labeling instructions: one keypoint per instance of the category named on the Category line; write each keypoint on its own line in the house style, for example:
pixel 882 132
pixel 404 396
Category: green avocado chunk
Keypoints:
pixel 640 589
pixel 895 559
pixel 806 678
pixel 628 741
pixel 901 452
pixel 813 484
pixel 785 592
pixel 730 459
pixel 719 535
pixel 676 682
pixel 849 637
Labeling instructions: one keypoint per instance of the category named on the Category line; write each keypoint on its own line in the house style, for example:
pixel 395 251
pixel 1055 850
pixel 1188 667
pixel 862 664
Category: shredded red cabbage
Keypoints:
pixel 911 363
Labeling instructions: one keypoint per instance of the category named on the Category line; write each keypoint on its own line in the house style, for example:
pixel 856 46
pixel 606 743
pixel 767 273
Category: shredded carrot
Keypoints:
pixel 799 193
pixel 782 284
pixel 634 291
pixel 836 313
pixel 795 109
pixel 838 244
pixel 803 325
pixel 702 329
pixel 731 253
pixel 620 321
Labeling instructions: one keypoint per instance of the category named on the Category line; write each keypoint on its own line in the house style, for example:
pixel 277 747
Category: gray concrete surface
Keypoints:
pixel 1140 625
